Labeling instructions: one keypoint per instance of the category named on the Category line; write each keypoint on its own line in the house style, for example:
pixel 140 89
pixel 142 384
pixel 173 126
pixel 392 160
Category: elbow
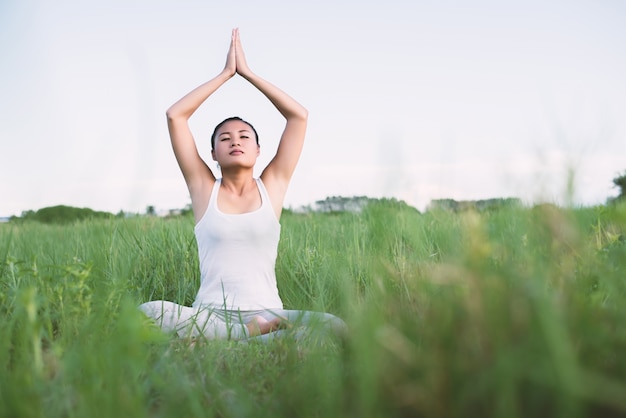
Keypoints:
pixel 296 113
pixel 170 114
pixel 302 114
pixel 174 116
pixel 175 112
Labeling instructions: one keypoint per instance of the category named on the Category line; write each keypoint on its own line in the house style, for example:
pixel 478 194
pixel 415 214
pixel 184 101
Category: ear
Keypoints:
pixel 213 154
pixel 258 150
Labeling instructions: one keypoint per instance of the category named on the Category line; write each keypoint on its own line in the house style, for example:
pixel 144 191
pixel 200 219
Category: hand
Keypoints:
pixel 231 59
pixel 242 65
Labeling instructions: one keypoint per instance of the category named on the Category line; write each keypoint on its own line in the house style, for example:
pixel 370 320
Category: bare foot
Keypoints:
pixel 259 325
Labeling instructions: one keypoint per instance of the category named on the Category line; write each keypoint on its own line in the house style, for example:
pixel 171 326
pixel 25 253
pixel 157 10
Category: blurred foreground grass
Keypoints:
pixel 511 313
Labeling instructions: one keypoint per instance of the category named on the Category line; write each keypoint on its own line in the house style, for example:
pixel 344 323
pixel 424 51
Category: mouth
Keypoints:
pixel 236 152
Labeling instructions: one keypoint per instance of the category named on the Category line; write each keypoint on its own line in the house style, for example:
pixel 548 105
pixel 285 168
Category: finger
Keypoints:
pixel 238 38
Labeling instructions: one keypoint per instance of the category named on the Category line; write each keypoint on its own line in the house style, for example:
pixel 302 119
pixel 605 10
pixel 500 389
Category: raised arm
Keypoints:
pixel 277 174
pixel 197 174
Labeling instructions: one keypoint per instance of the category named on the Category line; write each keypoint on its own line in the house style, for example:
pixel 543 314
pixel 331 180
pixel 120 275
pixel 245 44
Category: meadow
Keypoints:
pixel 517 312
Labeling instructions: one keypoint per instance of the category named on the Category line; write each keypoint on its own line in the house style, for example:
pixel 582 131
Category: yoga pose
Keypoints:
pixel 237 218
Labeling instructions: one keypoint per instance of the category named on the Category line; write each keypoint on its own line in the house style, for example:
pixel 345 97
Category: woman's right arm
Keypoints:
pixel 194 169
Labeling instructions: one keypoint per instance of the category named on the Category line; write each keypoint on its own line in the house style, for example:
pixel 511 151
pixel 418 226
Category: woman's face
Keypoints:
pixel 235 145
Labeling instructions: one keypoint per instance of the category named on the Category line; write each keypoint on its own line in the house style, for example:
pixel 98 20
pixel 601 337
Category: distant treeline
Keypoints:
pixel 61 214
pixel 332 204
pixel 67 214
pixel 358 203
pixel 477 205
pixel 350 204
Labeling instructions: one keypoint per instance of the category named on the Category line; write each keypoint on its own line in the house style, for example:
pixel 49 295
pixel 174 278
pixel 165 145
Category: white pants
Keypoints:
pixel 186 321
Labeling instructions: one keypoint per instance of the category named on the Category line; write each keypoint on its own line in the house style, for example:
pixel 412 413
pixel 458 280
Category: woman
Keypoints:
pixel 237 218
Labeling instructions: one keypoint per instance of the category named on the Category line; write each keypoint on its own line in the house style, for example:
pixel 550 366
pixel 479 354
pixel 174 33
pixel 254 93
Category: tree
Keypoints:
pixel 620 181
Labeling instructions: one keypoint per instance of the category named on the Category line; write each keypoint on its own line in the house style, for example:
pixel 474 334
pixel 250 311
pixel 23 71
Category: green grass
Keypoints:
pixel 511 313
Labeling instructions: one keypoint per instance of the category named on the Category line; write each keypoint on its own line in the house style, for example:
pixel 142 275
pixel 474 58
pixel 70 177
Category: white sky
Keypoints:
pixel 414 100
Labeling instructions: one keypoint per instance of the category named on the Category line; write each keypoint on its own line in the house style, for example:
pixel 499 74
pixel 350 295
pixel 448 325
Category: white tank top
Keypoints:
pixel 237 255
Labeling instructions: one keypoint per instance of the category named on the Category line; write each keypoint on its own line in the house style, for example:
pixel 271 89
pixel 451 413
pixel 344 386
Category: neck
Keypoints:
pixel 237 181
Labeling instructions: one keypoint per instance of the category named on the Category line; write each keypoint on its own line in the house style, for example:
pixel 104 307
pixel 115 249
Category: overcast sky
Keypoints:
pixel 416 100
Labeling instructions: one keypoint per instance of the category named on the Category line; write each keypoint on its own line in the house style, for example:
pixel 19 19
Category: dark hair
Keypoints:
pixel 219 125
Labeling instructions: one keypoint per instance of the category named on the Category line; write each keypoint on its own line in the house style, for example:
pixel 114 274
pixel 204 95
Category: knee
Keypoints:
pixel 147 308
pixel 336 325
pixel 339 327
pixel 153 309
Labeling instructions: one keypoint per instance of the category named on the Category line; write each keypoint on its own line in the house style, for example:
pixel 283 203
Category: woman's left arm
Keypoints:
pixel 279 171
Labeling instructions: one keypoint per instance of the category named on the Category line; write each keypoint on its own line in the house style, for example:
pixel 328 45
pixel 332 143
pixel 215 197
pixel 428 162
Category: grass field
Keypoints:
pixel 519 312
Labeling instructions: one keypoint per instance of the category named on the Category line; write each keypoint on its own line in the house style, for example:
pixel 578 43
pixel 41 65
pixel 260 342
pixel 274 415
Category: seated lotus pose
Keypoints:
pixel 237 219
